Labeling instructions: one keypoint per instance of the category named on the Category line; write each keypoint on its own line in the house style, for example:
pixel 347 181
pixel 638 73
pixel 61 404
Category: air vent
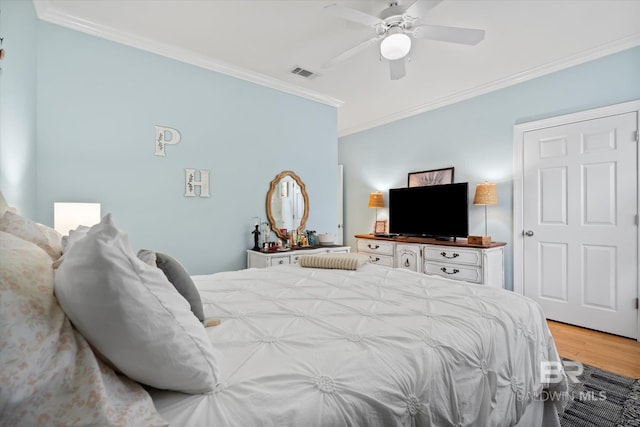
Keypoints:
pixel 299 71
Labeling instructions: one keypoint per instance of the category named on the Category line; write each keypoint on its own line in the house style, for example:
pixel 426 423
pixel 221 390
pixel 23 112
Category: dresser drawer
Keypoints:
pixel 295 256
pixel 280 260
pixel 332 251
pixel 375 247
pixel 454 271
pixel 386 260
pixel 443 254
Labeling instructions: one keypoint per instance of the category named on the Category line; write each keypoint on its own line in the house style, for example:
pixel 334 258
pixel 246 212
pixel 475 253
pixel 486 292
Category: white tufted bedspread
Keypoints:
pixel 373 347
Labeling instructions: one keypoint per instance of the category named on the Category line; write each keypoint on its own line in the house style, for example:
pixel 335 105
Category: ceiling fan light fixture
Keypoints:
pixel 396 45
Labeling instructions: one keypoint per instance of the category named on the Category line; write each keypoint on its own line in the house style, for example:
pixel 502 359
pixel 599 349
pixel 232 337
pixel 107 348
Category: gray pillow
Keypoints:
pixel 178 276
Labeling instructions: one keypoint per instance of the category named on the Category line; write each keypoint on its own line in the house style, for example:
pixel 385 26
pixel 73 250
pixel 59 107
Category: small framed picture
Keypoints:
pixel 380 227
pixel 430 177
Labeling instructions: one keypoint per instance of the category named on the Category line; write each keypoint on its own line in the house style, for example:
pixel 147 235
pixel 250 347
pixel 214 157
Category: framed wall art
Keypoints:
pixel 430 177
pixel 380 227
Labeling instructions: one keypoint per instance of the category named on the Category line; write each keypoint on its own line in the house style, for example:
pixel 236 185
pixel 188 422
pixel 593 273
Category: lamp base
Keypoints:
pixel 479 240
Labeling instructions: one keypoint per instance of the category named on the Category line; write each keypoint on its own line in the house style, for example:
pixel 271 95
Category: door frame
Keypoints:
pixel 340 235
pixel 518 151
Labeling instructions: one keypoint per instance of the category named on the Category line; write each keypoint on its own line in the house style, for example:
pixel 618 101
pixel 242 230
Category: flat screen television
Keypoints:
pixel 438 211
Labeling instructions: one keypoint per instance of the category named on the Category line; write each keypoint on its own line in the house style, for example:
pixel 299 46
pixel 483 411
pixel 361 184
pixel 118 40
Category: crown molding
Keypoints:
pixel 570 61
pixel 47 13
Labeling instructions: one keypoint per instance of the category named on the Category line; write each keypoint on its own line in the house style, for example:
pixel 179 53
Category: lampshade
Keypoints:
pixel 486 194
pixel 68 216
pixel 376 200
pixel 395 45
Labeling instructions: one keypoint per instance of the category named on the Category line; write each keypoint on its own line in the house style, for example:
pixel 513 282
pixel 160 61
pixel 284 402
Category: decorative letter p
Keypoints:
pixel 165 136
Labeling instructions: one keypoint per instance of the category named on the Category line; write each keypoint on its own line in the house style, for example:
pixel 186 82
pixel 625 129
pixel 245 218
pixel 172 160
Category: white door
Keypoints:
pixel 580 198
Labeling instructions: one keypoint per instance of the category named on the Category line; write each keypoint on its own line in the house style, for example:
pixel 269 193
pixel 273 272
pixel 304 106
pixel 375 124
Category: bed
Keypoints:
pixel 295 346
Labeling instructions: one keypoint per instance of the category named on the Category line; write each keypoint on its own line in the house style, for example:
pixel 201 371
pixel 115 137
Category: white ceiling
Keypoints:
pixel 262 40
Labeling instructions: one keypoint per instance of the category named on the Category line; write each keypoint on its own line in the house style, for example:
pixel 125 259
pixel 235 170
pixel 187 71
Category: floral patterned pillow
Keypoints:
pixel 50 376
pixel 4 206
pixel 28 230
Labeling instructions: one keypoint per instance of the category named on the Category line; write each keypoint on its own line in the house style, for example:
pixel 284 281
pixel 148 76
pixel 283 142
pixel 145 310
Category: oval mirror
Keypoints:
pixel 287 204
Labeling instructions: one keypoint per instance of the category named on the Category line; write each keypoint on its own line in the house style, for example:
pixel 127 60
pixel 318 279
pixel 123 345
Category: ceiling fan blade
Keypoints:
pixel 468 36
pixel 397 69
pixel 352 15
pixel 350 52
pixel 420 8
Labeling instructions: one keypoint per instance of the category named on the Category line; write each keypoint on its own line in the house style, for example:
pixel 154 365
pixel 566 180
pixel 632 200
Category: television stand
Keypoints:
pixel 458 260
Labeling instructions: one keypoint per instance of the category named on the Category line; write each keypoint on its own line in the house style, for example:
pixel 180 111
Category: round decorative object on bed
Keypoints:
pixel 326 238
pixel 132 315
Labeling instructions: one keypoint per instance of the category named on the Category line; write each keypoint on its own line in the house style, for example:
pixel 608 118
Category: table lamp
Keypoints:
pixel 376 200
pixel 68 216
pixel 486 195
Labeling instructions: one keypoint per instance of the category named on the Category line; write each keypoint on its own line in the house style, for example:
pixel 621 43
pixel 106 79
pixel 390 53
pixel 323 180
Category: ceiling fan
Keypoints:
pixel 395 26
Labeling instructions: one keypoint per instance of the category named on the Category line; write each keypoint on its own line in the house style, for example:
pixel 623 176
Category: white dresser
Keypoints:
pixel 379 251
pixel 257 259
pixel 456 260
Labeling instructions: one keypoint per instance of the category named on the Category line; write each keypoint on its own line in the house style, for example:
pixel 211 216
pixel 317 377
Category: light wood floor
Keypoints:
pixel 605 351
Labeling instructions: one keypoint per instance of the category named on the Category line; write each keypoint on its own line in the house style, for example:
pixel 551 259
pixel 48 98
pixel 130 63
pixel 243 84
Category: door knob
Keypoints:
pixel 528 233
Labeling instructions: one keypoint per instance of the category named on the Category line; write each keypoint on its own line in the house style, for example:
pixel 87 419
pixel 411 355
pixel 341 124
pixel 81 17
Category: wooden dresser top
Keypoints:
pixel 429 241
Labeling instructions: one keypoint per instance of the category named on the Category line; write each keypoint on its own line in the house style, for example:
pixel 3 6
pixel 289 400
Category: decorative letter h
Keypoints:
pixel 191 183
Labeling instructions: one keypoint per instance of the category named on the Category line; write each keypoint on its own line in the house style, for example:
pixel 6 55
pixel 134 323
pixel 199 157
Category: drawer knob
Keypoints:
pixel 373 246
pixel 454 255
pixel 372 259
pixel 407 263
pixel 281 262
pixel 444 270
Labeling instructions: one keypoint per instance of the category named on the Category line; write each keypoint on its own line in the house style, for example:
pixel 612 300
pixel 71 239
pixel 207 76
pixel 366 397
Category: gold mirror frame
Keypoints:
pixel 274 187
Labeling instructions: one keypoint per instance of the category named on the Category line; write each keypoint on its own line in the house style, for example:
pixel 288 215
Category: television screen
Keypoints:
pixel 440 211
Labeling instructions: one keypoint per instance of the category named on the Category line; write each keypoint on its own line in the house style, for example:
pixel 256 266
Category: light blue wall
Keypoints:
pixel 97 105
pixel 18 123
pixel 476 137
pixel 90 138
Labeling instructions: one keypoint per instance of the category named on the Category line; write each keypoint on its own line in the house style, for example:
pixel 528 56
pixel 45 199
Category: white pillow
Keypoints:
pixel 132 315
pixel 73 236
